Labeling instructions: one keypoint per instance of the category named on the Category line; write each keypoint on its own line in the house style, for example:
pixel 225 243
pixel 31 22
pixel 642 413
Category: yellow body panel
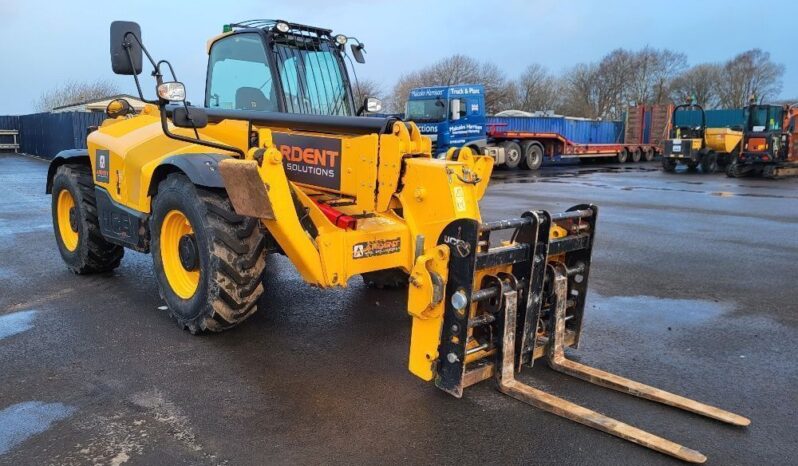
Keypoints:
pixel 402 198
pixel 722 140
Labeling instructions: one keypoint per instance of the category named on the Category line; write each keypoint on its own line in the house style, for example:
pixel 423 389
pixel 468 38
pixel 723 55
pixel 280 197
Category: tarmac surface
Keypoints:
pixel 693 290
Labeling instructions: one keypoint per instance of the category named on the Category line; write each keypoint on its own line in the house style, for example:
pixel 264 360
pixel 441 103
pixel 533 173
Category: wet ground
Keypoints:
pixel 693 290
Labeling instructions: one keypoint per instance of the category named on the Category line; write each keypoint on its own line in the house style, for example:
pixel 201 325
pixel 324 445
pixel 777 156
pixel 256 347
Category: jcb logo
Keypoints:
pixel 311 160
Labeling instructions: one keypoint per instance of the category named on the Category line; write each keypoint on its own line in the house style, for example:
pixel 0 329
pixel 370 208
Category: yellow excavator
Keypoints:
pixel 280 160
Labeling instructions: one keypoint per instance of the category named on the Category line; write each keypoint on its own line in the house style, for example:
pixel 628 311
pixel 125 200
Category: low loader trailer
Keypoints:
pixel 278 161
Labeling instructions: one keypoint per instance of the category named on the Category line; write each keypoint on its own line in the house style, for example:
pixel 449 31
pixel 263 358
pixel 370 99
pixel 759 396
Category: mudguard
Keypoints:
pixel 201 168
pixel 65 156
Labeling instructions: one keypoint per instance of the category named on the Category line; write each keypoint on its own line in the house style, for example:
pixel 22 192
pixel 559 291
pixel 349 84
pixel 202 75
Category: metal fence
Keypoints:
pixel 46 134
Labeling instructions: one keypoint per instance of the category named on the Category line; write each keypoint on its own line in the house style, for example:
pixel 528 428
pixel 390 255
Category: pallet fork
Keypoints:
pixel 536 312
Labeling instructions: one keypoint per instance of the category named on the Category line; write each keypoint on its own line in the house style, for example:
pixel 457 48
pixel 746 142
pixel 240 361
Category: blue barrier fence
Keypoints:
pixel 46 134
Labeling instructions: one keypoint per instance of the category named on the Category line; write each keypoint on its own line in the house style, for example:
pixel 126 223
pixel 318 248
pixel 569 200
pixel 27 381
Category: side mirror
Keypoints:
pixel 455 109
pixel 126 39
pixel 189 117
pixel 357 52
pixel 118 108
pixel 172 92
pixel 370 105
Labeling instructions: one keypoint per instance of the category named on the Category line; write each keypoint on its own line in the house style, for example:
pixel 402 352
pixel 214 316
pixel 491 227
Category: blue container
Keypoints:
pixel 575 130
pixel 725 118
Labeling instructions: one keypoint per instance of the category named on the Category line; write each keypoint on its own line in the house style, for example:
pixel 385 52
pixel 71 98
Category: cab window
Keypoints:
pixel 239 76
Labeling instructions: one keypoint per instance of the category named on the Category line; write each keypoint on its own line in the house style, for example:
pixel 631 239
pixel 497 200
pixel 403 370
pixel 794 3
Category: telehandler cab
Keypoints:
pixel 276 161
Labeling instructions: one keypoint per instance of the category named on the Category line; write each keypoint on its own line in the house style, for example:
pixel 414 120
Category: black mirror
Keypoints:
pixel 193 118
pixel 357 52
pixel 125 48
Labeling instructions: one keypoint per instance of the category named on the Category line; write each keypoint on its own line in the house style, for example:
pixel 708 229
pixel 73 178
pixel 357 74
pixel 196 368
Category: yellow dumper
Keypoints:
pixel 698 145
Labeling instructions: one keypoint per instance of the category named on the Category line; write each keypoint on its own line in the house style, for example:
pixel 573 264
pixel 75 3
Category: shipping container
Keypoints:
pixel 581 131
pixel 725 118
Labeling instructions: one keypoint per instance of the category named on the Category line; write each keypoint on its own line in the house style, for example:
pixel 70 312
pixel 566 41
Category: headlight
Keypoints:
pixel 282 27
pixel 172 91
pixel 341 39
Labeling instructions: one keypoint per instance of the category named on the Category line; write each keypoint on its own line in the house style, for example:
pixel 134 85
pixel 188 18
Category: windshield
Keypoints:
pixel 312 79
pixel 426 110
pixel 764 118
pixel 310 73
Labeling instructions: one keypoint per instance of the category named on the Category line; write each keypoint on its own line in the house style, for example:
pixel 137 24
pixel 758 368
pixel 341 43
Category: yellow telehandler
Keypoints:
pixel 278 160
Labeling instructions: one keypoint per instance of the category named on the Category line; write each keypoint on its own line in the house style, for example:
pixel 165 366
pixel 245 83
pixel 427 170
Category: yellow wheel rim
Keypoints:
pixel 68 230
pixel 183 282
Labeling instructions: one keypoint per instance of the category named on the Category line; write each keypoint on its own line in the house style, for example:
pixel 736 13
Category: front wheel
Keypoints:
pixel 209 261
pixel 709 163
pixel 669 165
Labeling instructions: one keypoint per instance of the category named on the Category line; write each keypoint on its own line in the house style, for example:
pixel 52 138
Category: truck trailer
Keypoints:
pixel 455 116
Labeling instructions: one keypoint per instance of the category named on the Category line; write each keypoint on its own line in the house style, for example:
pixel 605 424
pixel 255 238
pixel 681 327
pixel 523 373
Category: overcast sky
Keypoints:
pixel 45 42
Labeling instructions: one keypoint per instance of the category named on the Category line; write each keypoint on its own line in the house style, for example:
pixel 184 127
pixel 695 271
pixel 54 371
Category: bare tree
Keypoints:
pixel 700 83
pixel 457 69
pixel 750 73
pixel 364 88
pixel 652 72
pixel 73 92
pixel 537 89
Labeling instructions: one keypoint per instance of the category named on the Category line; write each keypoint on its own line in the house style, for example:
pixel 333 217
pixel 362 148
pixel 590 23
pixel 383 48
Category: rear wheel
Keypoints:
pixel 648 154
pixel 623 154
pixel 637 154
pixel 669 165
pixel 512 154
pixel 209 261
pixel 77 229
pixel 709 162
pixel 533 156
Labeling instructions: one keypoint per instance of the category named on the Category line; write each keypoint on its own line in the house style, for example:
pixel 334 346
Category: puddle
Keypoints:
pixel 17 322
pixel 23 420
pixel 656 313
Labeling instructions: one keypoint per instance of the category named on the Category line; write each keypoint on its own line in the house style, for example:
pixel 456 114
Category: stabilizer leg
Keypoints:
pixel 558 362
pixel 555 405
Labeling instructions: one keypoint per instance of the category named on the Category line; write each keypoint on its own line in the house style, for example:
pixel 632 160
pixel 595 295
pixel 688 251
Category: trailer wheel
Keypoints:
pixel 533 156
pixel 512 154
pixel 637 154
pixel 669 165
pixel 709 162
pixel 623 154
pixel 649 154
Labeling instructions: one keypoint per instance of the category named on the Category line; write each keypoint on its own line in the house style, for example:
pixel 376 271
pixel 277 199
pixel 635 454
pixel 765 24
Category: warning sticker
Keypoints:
pixel 101 169
pixel 377 247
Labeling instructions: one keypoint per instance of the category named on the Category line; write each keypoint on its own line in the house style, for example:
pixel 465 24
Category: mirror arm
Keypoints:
pixel 177 137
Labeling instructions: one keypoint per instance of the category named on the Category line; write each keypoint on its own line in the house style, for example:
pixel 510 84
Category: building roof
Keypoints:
pixel 134 101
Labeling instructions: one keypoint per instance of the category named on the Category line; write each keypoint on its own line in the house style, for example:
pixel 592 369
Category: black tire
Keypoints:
pixel 230 250
pixel 692 166
pixel 733 170
pixel 637 154
pixel 533 156
pixel 93 254
pixel 388 278
pixel 649 154
pixel 709 162
pixel 512 154
pixel 669 165
pixel 622 156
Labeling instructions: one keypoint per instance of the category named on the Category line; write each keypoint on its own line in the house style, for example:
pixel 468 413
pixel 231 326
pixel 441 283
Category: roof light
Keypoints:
pixel 341 39
pixel 282 27
pixel 227 28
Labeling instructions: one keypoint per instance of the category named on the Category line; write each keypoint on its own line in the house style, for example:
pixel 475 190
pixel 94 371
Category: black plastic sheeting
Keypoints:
pixel 46 134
